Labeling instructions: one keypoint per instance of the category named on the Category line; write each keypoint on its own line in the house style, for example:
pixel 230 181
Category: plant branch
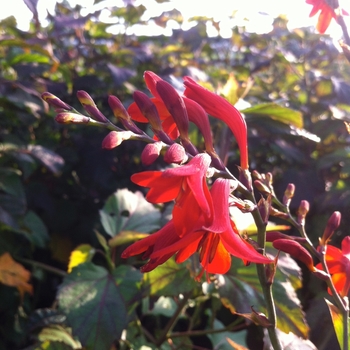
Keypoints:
pixel 43 266
pixel 164 335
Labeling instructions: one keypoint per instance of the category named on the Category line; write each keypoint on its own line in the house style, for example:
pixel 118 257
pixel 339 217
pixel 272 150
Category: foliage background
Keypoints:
pixel 58 187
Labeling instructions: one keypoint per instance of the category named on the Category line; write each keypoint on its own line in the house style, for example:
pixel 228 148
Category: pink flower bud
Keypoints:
pixel 115 138
pixel 288 194
pixel 261 187
pixel 332 224
pixel 71 118
pixel 175 154
pixel 122 114
pixel 296 250
pixel 54 101
pixel 150 153
pixel 303 209
pixel 89 105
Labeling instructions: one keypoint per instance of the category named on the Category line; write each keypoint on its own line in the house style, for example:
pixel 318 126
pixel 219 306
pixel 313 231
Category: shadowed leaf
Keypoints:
pixel 128 211
pixel 93 304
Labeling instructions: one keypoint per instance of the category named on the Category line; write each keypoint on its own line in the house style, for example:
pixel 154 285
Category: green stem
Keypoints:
pixel 265 284
pixel 171 323
pixel 43 266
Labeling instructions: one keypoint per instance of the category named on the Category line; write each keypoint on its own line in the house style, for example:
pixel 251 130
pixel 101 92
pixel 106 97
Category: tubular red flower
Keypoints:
pixel 175 182
pixel 189 233
pixel 218 107
pixel 215 242
pixel 327 12
pixel 338 263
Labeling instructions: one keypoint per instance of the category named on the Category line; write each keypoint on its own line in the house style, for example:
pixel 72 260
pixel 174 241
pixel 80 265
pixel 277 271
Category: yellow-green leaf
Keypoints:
pixel 125 237
pixel 337 320
pixel 230 90
pixel 81 254
pixel 276 112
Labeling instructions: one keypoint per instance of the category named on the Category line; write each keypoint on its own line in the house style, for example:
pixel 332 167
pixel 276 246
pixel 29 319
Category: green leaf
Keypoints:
pixel 129 281
pixel 240 289
pixel 29 58
pixel 169 279
pixel 35 229
pixel 94 306
pixel 128 211
pixel 337 320
pixel 10 182
pixel 277 112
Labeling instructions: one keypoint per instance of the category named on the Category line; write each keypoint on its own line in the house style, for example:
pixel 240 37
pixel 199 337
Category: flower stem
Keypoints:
pixel 265 284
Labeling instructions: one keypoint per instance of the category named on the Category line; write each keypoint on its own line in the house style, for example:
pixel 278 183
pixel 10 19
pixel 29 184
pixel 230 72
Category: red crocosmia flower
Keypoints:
pixel 168 123
pixel 327 12
pixel 218 107
pixel 338 263
pixel 174 183
pixel 215 242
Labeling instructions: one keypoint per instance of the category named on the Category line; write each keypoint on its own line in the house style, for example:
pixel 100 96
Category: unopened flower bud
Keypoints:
pixel 89 105
pixel 150 153
pixel 71 118
pixel 303 209
pixel 122 114
pixel 54 101
pixel 175 154
pixel 261 187
pixel 149 110
pixel 288 194
pixel 256 175
pixel 269 179
pixel 296 250
pixel 332 224
pixel 264 208
pixel 115 138
pixel 272 236
pixel 175 105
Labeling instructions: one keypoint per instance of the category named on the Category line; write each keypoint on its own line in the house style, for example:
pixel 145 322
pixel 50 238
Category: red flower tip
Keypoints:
pixel 150 153
pixel 115 138
pixel 296 250
pixel 175 105
pixel 148 109
pixel 151 80
pixel 218 107
pixel 327 12
pixel 71 118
